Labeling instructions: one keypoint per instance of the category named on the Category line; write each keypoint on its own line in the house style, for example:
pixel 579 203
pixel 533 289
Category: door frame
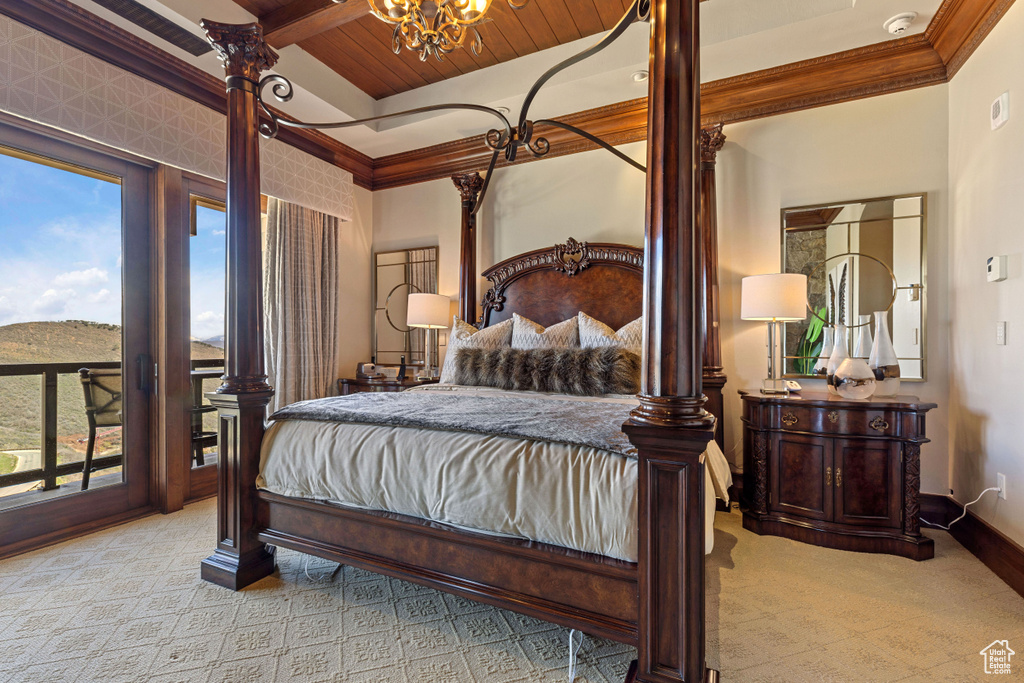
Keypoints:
pixel 177 482
pixel 49 521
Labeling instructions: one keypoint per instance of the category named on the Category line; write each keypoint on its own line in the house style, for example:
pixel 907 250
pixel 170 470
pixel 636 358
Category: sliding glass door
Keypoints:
pixel 207 252
pixel 75 367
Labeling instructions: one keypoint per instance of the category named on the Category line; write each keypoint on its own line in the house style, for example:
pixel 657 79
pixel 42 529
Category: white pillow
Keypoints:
pixel 464 335
pixel 527 334
pixel 595 334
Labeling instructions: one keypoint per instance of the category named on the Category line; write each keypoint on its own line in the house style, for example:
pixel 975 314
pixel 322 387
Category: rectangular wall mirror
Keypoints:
pixel 859 257
pixel 397 274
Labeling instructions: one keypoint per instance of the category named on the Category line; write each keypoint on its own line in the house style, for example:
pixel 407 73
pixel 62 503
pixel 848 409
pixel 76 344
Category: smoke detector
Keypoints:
pixel 639 76
pixel 900 24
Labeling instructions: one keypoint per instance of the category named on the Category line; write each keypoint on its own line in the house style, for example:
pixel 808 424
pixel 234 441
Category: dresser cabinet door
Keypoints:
pixel 867 482
pixel 801 473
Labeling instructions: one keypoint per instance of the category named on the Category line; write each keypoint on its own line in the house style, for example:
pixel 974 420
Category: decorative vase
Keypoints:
pixel 839 354
pixel 862 349
pixel 854 379
pixel 821 367
pixel 883 361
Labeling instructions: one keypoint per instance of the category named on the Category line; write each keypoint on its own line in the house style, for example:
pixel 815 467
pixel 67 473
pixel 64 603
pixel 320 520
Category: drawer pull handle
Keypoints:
pixel 789 419
pixel 879 425
pixel 833 416
pixel 828 476
pixel 839 478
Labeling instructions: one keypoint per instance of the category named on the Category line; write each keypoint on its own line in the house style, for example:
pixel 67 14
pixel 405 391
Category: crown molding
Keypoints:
pixel 887 67
pixel 916 61
pixel 87 32
pixel 959 26
pixel 957 29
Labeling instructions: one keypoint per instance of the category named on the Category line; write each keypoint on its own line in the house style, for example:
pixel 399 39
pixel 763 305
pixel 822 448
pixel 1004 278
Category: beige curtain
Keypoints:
pixel 300 293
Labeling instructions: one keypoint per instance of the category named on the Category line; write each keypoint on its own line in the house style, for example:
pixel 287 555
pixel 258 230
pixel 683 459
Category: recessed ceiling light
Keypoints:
pixel 900 24
pixel 639 76
pixel 503 110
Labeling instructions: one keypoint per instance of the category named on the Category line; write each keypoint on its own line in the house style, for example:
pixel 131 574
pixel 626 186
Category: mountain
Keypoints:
pixel 216 342
pixel 77 342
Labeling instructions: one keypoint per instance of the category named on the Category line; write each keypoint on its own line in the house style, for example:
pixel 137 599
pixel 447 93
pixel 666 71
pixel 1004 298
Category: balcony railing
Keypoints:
pixel 48 373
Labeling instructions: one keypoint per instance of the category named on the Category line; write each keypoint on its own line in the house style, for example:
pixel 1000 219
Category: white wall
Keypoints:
pixel 592 196
pixel 354 300
pixel 986 181
pixel 883 146
pixel 890 145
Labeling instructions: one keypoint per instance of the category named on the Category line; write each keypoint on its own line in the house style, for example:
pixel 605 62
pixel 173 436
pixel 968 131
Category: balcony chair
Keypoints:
pixel 102 407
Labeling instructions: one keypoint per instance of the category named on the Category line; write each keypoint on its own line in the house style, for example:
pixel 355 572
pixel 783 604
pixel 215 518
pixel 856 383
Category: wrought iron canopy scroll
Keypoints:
pixel 505 139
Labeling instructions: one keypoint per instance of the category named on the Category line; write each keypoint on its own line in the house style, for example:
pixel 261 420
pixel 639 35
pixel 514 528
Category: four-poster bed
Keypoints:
pixel 656 603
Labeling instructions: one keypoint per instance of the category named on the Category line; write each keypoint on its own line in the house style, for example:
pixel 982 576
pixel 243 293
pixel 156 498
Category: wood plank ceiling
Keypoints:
pixel 357 45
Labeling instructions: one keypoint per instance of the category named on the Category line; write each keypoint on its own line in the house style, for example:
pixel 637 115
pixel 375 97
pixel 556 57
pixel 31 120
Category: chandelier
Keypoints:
pixel 434 28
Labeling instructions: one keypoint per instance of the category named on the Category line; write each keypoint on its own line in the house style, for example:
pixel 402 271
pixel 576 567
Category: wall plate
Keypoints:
pixel 1001 110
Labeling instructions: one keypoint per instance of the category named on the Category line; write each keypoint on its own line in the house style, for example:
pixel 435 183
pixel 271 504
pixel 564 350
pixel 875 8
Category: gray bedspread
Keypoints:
pixel 581 423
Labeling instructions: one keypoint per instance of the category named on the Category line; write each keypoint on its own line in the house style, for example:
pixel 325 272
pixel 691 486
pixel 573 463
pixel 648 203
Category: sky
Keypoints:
pixel 60 250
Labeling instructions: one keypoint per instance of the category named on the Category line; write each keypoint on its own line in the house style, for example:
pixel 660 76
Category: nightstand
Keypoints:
pixel 348 386
pixel 836 473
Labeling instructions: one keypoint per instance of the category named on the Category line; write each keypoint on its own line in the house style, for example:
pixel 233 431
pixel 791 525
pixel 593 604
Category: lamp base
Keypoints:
pixel 774 387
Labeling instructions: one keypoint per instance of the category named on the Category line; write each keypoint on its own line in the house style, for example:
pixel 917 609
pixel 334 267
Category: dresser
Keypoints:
pixel 348 386
pixel 836 473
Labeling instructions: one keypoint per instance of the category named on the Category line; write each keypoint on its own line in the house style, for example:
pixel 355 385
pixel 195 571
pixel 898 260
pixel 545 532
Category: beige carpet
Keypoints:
pixel 117 606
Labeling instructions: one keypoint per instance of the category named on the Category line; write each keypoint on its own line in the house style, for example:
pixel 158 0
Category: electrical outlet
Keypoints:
pixel 1001 333
pixel 1001 483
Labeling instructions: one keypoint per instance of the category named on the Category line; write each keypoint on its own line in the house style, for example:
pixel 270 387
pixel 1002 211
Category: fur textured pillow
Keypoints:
pixel 464 335
pixel 527 334
pixel 594 334
pixel 583 372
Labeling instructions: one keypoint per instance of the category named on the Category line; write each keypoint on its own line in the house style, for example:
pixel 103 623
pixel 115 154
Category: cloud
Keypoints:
pixel 82 278
pixel 210 316
pixel 54 302
pixel 99 297
pixel 219 232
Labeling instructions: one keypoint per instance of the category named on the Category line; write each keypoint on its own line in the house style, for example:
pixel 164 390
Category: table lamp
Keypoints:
pixel 774 298
pixel 429 312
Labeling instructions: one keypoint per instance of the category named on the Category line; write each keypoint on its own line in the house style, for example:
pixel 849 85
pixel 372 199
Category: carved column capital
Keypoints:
pixel 241 48
pixel 469 185
pixel 711 141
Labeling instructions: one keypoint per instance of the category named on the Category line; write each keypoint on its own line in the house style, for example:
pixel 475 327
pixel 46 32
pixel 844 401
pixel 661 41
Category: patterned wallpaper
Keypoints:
pixel 44 80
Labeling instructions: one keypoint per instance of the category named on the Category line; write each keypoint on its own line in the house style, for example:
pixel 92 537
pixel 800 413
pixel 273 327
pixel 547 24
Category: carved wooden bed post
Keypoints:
pixel 241 400
pixel 469 185
pixel 670 428
pixel 711 141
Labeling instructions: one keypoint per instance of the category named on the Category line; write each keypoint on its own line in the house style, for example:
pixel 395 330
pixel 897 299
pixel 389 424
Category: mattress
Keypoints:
pixel 571 496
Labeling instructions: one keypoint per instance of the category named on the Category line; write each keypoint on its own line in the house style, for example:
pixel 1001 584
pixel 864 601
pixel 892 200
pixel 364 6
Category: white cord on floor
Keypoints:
pixel 964 514
pixel 305 569
pixel 574 649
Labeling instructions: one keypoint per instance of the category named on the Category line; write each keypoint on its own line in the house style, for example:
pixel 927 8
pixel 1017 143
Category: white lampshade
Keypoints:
pixel 776 296
pixel 429 311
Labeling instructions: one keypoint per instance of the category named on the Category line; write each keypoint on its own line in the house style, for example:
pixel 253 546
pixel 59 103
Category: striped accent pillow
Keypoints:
pixel 595 334
pixel 527 334
pixel 464 335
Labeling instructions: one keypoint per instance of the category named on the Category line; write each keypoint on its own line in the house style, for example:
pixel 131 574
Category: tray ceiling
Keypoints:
pixel 360 49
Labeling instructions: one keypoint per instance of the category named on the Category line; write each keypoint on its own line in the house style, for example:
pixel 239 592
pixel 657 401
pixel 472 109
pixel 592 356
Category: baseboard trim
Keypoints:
pixel 84 529
pixel 995 550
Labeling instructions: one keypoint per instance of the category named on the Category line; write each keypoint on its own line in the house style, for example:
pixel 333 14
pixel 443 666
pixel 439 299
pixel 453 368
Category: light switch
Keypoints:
pixel 1001 333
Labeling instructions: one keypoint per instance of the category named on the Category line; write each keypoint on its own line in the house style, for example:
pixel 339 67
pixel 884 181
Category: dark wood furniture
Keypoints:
pixel 836 473
pixel 356 385
pixel 656 603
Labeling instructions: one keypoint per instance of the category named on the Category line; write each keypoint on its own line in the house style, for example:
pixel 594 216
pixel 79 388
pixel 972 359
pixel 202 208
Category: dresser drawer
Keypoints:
pixel 822 420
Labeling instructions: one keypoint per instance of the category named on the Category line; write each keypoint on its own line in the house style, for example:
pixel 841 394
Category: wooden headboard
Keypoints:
pixel 605 281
